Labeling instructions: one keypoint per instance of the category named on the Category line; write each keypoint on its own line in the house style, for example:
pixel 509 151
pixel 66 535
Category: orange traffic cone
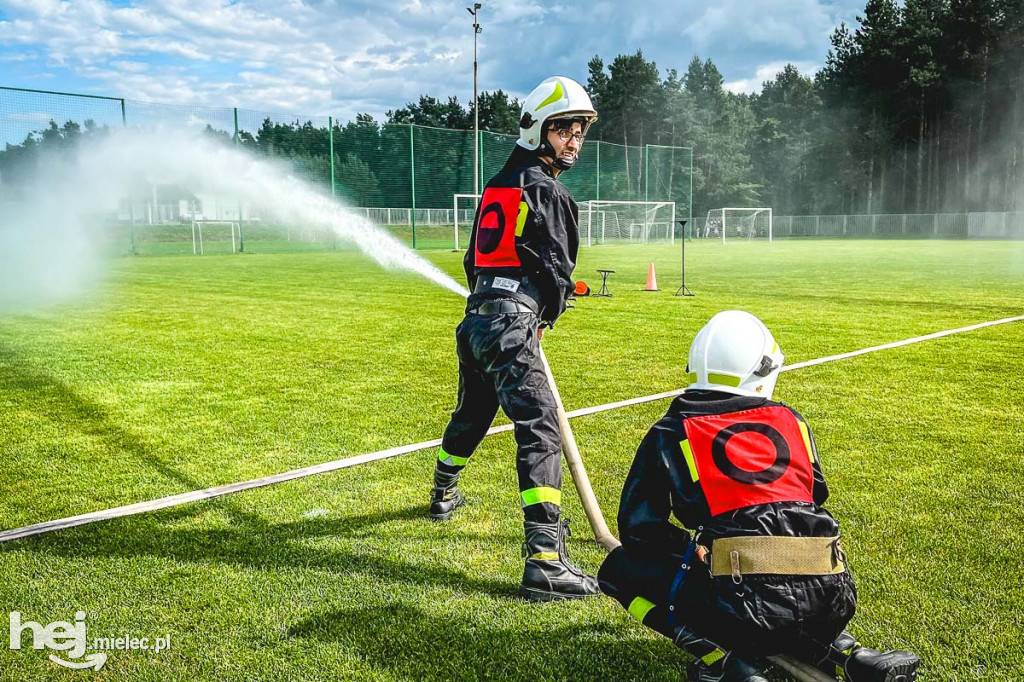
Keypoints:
pixel 652 280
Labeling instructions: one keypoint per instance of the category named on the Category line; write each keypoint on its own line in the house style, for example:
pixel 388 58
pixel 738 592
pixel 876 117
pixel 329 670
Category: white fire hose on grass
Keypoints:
pixel 802 672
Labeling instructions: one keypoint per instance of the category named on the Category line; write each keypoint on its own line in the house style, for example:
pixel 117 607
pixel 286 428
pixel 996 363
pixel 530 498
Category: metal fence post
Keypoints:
pixel 647 169
pixel 131 199
pixel 241 239
pixel 690 216
pixel 412 179
pixel 330 141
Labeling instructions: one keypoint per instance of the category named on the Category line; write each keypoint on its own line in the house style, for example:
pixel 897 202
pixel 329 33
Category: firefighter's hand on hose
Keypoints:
pixel 540 333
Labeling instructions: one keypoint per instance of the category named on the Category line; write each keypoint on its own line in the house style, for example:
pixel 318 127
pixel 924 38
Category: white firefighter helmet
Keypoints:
pixel 734 353
pixel 555 97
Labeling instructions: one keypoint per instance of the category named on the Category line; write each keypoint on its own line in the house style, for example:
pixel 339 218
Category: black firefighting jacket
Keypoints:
pixel 762 613
pixel 659 485
pixel 526 231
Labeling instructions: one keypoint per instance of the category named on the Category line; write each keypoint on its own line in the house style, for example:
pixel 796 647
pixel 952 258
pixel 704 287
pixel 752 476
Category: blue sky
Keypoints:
pixel 340 57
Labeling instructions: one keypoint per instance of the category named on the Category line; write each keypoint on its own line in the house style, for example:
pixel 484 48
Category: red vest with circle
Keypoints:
pixel 495 245
pixel 751 457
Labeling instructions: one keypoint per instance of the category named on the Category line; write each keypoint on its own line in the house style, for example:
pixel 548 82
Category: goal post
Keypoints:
pixel 742 223
pixel 627 222
pixel 465 206
pixel 600 221
pixel 197 228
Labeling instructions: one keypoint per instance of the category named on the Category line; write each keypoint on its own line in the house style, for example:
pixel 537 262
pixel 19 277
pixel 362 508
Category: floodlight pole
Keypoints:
pixel 475 10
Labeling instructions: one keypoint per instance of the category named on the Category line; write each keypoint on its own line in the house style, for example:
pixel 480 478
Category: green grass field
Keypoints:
pixel 184 373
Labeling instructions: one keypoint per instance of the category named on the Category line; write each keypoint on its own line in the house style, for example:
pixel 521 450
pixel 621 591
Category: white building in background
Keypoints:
pixel 173 204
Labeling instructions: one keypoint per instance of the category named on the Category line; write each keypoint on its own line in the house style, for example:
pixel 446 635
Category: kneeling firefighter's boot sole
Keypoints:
pixel 853 662
pixel 445 497
pixel 868 665
pixel 548 574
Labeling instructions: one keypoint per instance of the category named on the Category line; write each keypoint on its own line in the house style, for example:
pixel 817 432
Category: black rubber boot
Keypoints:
pixel 445 498
pixel 855 663
pixel 548 573
pixel 714 664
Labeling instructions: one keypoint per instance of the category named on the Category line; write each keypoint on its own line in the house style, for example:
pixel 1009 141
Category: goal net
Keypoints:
pixel 737 223
pixel 214 236
pixel 465 211
pixel 627 222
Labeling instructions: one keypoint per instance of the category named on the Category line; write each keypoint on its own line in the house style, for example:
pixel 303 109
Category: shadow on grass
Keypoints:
pixel 59 402
pixel 249 540
pixel 267 546
pixel 412 643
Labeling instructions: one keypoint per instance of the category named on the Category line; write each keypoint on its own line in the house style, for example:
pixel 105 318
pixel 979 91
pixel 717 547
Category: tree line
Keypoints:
pixel 918 108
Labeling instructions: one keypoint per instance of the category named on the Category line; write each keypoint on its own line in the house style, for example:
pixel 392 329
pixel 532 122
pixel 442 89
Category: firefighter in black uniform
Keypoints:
pixel 761 571
pixel 519 265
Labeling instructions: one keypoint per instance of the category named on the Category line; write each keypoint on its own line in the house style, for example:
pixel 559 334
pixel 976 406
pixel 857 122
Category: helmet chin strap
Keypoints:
pixel 545 149
pixel 564 164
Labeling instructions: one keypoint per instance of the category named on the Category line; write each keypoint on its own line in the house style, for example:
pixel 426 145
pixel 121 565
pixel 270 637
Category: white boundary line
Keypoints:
pixel 218 491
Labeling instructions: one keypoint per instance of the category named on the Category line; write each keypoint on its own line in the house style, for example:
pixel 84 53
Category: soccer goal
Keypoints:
pixel 216 230
pixel 465 211
pixel 627 222
pixel 738 223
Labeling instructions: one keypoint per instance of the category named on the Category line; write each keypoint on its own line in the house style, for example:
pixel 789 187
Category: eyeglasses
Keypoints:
pixel 564 134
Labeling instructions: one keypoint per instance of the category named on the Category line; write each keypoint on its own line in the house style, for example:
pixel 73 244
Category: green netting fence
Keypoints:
pixel 403 177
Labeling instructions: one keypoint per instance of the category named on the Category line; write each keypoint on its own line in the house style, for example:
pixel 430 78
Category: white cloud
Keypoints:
pixel 347 56
pixel 735 24
pixel 130 66
pixel 31 117
pixel 18 57
pixel 766 72
pixel 519 11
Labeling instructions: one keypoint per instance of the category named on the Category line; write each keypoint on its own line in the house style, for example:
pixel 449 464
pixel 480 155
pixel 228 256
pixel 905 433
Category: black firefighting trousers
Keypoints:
pixel 763 615
pixel 500 365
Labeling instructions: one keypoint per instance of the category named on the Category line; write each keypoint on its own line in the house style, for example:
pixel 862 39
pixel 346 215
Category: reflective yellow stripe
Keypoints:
pixel 723 379
pixel 691 377
pixel 639 607
pixel 554 97
pixel 807 439
pixel 545 556
pixel 524 211
pixel 709 659
pixel 690 463
pixel 446 458
pixel 542 494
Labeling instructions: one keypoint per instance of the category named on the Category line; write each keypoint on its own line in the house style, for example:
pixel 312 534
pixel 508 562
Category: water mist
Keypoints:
pixel 50 237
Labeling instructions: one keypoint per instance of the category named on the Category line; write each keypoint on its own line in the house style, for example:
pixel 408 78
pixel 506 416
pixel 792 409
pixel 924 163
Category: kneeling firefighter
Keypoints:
pixel 761 571
pixel 519 265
